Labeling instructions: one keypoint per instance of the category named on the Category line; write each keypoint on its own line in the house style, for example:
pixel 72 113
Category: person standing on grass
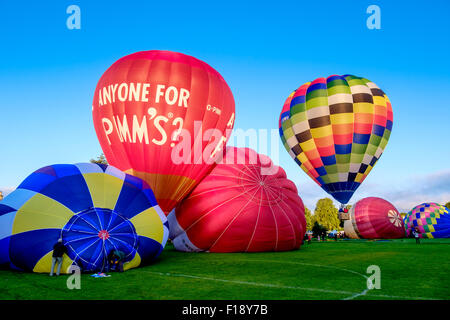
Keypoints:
pixel 416 235
pixel 57 258
pixel 305 237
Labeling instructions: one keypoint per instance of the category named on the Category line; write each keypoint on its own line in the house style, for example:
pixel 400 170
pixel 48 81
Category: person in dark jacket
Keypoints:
pixel 116 258
pixel 57 258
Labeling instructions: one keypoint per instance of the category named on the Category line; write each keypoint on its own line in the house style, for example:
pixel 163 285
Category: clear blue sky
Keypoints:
pixel 264 50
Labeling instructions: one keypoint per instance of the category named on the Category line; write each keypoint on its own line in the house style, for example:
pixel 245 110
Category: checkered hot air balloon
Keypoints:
pixel 431 219
pixel 94 208
pixel 336 129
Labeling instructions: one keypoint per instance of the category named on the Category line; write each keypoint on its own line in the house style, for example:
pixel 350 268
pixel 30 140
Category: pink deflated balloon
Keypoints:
pixel 246 204
pixel 374 218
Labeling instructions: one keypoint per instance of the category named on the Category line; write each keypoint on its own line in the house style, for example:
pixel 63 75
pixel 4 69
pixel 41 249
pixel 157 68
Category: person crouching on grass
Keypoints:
pixel 116 258
pixel 57 258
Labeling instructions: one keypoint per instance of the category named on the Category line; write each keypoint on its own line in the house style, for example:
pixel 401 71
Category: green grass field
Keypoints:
pixel 321 270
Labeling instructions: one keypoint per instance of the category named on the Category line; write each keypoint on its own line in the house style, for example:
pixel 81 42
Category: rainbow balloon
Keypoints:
pixel 336 129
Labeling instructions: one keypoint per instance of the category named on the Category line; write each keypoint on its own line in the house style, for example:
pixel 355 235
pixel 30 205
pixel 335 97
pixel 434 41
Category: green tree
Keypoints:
pixel 448 205
pixel 309 219
pixel 319 230
pixel 326 214
pixel 100 159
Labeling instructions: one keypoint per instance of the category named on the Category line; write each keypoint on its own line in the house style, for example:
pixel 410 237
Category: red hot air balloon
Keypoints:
pixel 163 116
pixel 246 204
pixel 374 218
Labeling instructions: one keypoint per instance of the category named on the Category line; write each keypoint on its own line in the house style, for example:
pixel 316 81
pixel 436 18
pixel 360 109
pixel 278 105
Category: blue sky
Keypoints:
pixel 264 50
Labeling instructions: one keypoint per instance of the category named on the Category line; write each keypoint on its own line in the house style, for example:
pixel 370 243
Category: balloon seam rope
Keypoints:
pixel 99 255
pixel 98 217
pixel 221 204
pixel 220 188
pixel 124 221
pixel 256 224
pixel 80 239
pixel 290 222
pixel 223 176
pixel 110 219
pixel 81 231
pixel 235 217
pixel 79 253
pixel 276 227
pixel 80 217
pixel 245 170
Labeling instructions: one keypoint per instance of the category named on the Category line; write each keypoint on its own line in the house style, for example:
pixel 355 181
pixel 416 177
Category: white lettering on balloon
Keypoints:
pixel 137 131
pixel 140 92
pixel 197 147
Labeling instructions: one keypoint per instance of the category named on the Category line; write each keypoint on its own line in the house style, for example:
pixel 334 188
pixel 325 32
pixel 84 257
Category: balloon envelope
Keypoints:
pixel 245 205
pixel 94 208
pixel 431 219
pixel 336 129
pixel 374 218
pixel 163 116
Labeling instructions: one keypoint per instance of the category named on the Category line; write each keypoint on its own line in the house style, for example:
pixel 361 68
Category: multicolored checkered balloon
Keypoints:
pixel 336 129
pixel 431 219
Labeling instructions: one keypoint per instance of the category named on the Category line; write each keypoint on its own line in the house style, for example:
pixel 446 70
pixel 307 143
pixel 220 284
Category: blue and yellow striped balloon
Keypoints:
pixel 94 208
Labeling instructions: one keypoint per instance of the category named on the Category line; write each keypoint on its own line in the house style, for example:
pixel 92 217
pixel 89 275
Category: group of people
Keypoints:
pixel 115 258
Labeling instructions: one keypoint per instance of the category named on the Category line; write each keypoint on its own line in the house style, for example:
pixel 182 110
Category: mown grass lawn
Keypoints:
pixel 321 270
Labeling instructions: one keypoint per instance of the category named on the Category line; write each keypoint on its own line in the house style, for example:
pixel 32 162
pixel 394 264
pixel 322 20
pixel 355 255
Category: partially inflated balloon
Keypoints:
pixel 246 204
pixel 336 129
pixel 95 209
pixel 163 116
pixel 374 218
pixel 431 219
